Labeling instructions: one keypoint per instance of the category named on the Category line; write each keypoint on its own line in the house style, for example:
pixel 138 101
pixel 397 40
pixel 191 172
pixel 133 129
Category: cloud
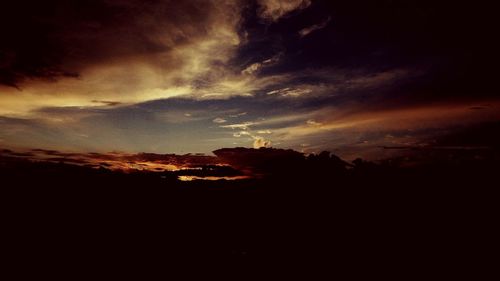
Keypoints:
pixel 240 126
pixel 175 116
pixel 261 142
pixel 163 126
pixel 311 122
pixel 310 29
pixel 123 51
pixel 255 67
pixel 349 124
pixel 156 75
pixel 290 92
pixel 119 160
pixel 273 10
pixel 219 120
pixel 238 115
pixel 107 103
pixel 241 133
pixel 83 35
pixel 258 141
pixel 380 78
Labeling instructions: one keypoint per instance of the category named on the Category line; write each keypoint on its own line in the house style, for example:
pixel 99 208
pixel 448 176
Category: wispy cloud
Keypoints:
pixel 240 126
pixel 273 10
pixel 256 67
pixel 290 92
pixel 219 120
pixel 245 130
pixel 241 133
pixel 311 122
pixel 238 114
pixel 107 103
pixel 331 121
pixel 310 29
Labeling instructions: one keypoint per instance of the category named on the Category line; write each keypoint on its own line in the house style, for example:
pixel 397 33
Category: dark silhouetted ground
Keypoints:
pixel 403 215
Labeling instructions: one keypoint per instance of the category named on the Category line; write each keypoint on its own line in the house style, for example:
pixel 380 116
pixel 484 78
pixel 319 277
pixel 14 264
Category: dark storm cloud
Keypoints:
pixel 50 39
pixel 453 41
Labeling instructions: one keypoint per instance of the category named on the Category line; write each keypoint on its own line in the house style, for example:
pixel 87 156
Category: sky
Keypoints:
pixel 194 76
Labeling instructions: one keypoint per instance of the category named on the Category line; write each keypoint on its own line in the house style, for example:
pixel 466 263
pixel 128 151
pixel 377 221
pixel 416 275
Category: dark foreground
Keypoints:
pixel 433 220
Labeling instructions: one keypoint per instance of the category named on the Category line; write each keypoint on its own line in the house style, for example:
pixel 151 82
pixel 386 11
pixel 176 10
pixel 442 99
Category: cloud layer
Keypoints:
pixel 193 76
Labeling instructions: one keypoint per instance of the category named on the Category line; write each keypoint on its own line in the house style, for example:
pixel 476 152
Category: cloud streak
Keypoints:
pixel 310 29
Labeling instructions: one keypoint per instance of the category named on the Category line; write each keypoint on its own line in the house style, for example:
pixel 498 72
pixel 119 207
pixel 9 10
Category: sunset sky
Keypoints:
pixel 197 75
